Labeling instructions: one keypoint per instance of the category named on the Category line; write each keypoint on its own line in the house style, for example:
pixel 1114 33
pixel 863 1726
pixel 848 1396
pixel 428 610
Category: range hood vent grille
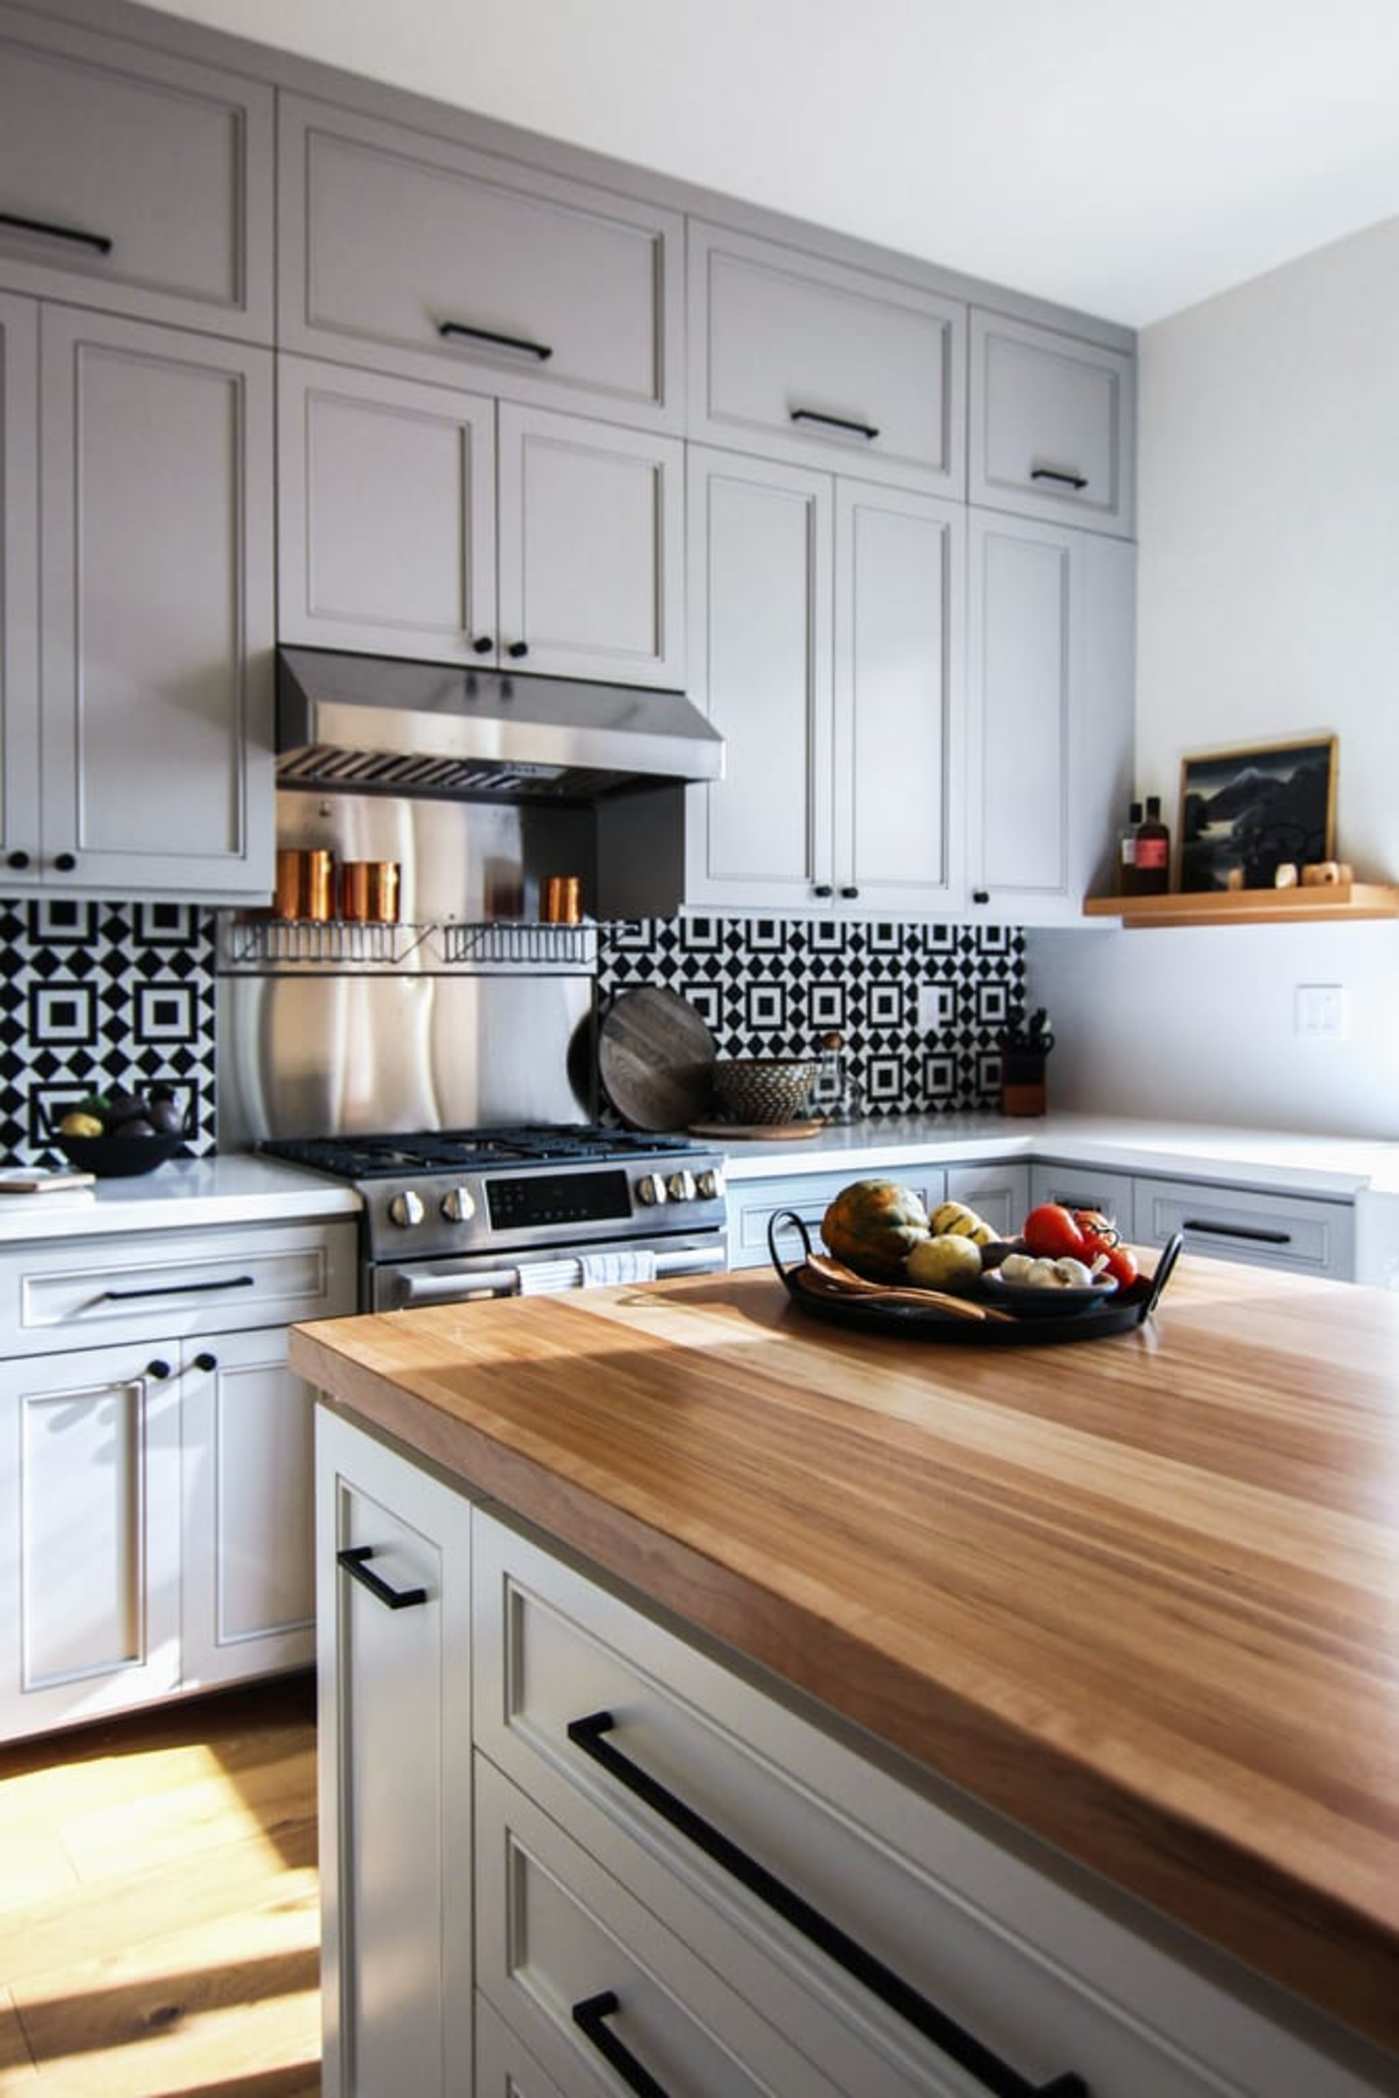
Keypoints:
pixel 323 767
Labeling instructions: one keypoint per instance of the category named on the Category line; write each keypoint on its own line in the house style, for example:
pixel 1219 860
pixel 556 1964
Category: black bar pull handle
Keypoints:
pixel 175 1289
pixel 590 2016
pixel 1055 473
pixel 1249 1231
pixel 541 350
pixel 835 422
pixel 863 1966
pixel 49 232
pixel 353 1560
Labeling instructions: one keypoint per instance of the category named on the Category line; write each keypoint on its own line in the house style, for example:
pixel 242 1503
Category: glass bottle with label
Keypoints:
pixel 1127 853
pixel 1151 868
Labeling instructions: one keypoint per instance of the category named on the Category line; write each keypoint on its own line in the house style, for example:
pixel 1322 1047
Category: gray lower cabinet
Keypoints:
pixel 419 255
pixel 809 360
pixel 1085 1187
pixel 1296 1234
pixel 394 1688
pixel 134 181
pixel 999 1193
pixel 158 583
pixel 19 590
pixel 1050 669
pixel 1052 425
pixel 386 514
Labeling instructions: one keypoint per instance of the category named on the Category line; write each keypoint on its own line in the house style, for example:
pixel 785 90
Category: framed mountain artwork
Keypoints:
pixel 1245 813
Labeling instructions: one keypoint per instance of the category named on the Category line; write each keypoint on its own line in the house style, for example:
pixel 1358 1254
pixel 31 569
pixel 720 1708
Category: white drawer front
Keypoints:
pixel 1030 1970
pixel 1226 1223
pixel 1052 425
pixel 753 1202
pixel 1084 1187
pixel 505 2068
pixel 555 1932
pixel 78 1293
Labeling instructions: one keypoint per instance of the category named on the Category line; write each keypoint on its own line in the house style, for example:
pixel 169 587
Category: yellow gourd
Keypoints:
pixel 955 1218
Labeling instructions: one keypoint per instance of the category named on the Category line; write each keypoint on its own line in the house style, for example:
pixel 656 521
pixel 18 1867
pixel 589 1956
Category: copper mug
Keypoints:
pixel 304 883
pixel 369 892
pixel 563 899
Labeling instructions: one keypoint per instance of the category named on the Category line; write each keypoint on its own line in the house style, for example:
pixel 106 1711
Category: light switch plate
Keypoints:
pixel 1323 1010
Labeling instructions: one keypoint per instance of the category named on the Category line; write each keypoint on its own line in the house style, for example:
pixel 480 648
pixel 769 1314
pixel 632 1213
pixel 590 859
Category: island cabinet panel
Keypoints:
pixel 807 359
pixel 1024 1966
pixel 158 586
pixel 386 514
pixel 19 590
pixel 89 1534
pixel 1052 425
pixel 393 1655
pixel 419 255
pixel 246 1436
pixel 146 181
pixel 505 2068
pixel 603 1993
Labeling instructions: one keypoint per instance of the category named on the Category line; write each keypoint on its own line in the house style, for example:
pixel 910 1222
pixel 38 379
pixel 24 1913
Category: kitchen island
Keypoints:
pixel 1141 1599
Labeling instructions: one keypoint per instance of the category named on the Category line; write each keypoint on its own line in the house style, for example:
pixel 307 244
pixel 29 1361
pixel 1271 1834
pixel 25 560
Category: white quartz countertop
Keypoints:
pixel 236 1189
pixel 1338 1167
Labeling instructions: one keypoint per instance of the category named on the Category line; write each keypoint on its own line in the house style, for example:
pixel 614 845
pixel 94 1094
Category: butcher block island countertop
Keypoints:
pixel 1141 1596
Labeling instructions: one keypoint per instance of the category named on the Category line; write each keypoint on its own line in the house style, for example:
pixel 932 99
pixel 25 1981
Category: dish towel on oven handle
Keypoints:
pixel 546 1278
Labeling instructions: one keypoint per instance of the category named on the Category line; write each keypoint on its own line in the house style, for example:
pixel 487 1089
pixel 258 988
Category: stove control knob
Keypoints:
pixel 681 1187
pixel 458 1205
pixel 710 1184
pixel 651 1190
pixel 406 1209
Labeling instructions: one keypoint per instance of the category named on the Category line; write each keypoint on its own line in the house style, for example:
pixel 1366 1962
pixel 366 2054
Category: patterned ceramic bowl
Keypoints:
pixel 763 1088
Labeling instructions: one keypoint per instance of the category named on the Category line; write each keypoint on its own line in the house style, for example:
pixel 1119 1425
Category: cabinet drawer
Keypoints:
pixel 752 1202
pixel 77 1294
pixel 1273 1231
pixel 152 176
pixel 1001 1194
pixel 1052 425
pixel 1085 1187
pixel 1029 1968
pixel 504 2066
pixel 557 290
pixel 555 1933
pixel 812 361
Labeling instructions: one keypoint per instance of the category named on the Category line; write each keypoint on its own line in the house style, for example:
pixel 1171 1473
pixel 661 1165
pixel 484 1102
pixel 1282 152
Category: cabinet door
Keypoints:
pixel 759 603
pixel 1000 1194
pixel 419 255
pixel 147 181
pixel 828 366
pixel 1053 425
pixel 19 591
pixel 592 575
pixel 385 514
pixel 246 1487
pixel 395 1773
pixel 89 1534
pixel 900 595
pixel 158 610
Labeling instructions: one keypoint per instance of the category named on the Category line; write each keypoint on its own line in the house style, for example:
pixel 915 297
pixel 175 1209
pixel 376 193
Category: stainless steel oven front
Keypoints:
pixel 408 1284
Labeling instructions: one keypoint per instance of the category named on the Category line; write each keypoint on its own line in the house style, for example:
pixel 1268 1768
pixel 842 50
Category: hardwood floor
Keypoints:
pixel 158 1917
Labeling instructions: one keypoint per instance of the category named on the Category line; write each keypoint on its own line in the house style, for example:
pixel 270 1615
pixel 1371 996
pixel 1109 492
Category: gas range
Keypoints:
pixel 457 1213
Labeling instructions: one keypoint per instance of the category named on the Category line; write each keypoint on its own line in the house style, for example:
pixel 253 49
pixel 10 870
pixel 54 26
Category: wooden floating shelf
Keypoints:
pixel 1343 901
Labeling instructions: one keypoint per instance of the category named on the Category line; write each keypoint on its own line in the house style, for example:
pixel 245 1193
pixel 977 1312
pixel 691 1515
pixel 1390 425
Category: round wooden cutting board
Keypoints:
pixel 656 1057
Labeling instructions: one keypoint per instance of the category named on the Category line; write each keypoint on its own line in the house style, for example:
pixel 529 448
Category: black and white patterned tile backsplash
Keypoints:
pixel 98 995
pixel 774 986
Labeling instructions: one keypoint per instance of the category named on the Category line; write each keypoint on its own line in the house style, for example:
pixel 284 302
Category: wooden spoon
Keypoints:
pixel 835 1276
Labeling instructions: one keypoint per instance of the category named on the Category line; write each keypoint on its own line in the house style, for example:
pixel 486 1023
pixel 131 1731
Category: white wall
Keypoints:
pixel 1268 605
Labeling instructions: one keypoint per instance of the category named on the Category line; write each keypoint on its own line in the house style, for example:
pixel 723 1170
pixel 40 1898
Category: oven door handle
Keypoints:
pixel 505 1282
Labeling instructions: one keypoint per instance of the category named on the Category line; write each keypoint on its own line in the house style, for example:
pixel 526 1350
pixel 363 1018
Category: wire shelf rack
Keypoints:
pixel 297 947
pixel 544 950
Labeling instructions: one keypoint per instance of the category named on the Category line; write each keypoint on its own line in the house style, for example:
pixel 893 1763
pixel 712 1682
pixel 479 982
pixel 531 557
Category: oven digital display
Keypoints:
pixel 557 1198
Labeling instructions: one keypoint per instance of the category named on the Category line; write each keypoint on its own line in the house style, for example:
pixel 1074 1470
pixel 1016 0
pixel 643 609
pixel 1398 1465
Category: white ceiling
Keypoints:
pixel 1125 156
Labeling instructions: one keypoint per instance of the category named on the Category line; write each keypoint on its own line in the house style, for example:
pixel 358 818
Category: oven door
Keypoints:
pixel 410 1284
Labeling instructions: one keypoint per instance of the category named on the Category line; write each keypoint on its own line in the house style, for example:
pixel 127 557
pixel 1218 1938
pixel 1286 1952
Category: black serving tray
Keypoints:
pixel 1122 1312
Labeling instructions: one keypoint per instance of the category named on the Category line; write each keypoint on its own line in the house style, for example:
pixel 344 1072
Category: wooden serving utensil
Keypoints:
pixel 835 1276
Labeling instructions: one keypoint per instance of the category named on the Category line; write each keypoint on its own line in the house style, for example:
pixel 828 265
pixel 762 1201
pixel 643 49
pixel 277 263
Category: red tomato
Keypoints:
pixel 1051 1233
pixel 1103 1236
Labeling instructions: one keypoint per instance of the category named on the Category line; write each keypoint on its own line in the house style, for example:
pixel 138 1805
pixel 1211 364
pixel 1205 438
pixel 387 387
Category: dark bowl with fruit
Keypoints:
pixel 118 1135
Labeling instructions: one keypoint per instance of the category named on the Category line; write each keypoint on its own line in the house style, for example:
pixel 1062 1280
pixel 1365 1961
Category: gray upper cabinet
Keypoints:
pixel 1052 426
pixel 1050 684
pixel 759 601
pixel 146 180
pixel 592 574
pixel 386 514
pixel 900 597
pixel 809 360
pixel 19 590
pixel 552 291
pixel 156 545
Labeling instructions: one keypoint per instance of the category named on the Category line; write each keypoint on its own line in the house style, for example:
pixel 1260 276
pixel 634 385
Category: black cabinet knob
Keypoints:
pixel 158 1369
pixel 66 862
pixel 518 649
pixel 206 1362
pixel 850 894
pixel 981 895
pixel 822 888
pixel 483 644
pixel 17 860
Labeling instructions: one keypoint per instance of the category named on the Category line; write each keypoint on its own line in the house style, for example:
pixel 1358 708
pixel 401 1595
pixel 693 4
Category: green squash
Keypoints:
pixel 873 1226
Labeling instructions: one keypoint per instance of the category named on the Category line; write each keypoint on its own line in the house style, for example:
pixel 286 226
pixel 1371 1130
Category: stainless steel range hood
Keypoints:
pixel 370 724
